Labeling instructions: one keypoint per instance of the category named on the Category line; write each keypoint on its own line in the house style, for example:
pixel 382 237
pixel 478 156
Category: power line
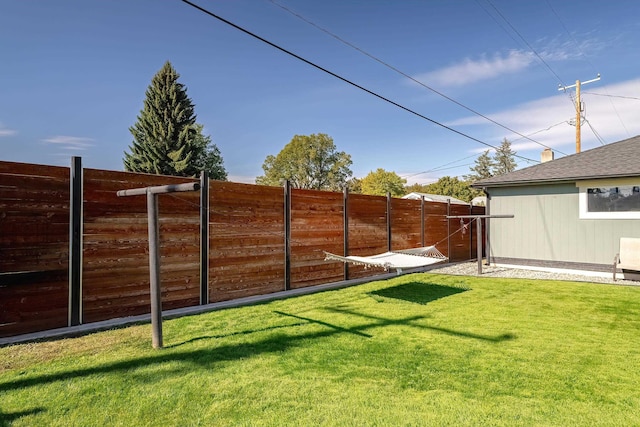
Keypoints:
pixel 597 135
pixel 612 96
pixel 497 22
pixel 521 37
pixel 544 130
pixel 441 167
pixel 588 60
pixel 386 64
pixel 526 42
pixel 306 61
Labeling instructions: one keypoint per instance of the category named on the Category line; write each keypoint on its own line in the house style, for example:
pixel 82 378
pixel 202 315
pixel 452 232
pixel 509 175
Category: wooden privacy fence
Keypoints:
pixel 72 252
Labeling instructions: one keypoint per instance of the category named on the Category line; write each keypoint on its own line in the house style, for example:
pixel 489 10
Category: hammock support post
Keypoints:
pixel 479 231
pixel 154 248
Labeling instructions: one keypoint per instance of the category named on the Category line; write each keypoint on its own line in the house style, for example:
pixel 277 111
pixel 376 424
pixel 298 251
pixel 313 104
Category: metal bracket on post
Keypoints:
pixel 154 248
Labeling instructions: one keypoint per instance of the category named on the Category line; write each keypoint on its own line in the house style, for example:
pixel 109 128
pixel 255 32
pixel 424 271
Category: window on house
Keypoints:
pixel 610 202
pixel 613 199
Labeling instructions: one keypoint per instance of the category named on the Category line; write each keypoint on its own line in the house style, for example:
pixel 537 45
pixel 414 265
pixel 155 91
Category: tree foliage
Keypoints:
pixel 209 158
pixel 165 136
pixel 308 161
pixel 381 182
pixel 452 186
pixel 354 185
pixel 503 159
pixel 416 188
pixel 483 168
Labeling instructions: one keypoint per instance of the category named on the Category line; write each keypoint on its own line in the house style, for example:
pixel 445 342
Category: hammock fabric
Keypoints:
pixel 399 260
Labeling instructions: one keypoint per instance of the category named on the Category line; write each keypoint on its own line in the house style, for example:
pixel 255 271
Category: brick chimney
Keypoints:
pixel 547 155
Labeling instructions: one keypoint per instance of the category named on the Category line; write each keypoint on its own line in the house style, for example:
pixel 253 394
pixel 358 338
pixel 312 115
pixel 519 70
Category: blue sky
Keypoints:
pixel 73 76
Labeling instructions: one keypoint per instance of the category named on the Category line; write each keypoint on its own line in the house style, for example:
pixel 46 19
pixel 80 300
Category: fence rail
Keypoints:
pixel 247 248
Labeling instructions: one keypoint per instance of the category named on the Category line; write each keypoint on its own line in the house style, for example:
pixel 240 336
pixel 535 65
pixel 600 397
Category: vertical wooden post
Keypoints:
pixel 154 269
pixel 388 221
pixel 487 244
pixel 578 108
pixel 345 222
pixel 75 243
pixel 287 235
pixel 422 236
pixel 204 238
pixel 154 248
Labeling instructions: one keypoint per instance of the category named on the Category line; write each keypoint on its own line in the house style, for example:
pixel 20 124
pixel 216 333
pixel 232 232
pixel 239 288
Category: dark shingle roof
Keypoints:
pixel 615 160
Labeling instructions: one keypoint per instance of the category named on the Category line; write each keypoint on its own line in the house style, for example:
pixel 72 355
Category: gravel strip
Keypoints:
pixel 471 269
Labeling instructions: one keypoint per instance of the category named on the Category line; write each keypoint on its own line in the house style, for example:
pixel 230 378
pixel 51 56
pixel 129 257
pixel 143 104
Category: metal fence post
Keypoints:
pixel 204 237
pixel 287 235
pixel 345 222
pixel 75 242
pixel 388 221
pixel 154 269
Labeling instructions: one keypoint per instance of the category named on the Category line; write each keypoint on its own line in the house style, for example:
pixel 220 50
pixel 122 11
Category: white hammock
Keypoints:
pixel 398 260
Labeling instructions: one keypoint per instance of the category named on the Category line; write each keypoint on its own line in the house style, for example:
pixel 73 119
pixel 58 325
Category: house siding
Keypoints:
pixel 546 229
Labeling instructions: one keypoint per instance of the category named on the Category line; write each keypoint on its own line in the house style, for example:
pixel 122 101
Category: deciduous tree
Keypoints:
pixel 452 186
pixel 308 161
pixel 381 182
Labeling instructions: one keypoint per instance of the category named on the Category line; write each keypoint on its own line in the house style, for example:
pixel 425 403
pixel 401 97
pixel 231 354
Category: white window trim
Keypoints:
pixel 582 199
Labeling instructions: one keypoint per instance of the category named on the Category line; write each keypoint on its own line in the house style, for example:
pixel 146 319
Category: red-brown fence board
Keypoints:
pixel 246 243
pixel 460 234
pixel 435 226
pixel 316 226
pixel 34 247
pixel 406 216
pixel 116 241
pixel 367 230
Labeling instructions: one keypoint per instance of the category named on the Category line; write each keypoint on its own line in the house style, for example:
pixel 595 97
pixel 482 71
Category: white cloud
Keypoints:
pixel 493 66
pixel 6 132
pixel 470 71
pixel 546 120
pixel 70 142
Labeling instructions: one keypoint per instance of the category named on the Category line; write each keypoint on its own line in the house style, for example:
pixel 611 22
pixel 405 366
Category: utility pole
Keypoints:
pixel 578 106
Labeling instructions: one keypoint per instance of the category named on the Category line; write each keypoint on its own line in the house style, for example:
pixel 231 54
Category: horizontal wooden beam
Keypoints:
pixel 190 186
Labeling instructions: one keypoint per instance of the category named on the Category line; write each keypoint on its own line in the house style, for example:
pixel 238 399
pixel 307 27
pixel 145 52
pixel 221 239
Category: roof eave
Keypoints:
pixel 563 180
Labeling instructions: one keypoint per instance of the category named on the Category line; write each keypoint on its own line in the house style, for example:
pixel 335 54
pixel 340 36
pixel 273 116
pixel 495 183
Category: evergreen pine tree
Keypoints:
pixel 482 169
pixel 210 159
pixel 164 136
pixel 503 161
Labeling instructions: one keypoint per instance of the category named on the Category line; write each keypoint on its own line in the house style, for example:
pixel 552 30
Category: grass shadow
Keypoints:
pixel 231 334
pixel 409 321
pixel 418 292
pixel 7 418
pixel 180 361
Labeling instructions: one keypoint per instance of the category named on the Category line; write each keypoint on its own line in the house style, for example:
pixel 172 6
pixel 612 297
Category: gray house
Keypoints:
pixel 570 213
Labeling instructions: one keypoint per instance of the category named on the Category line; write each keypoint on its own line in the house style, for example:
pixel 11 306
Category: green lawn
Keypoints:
pixel 417 350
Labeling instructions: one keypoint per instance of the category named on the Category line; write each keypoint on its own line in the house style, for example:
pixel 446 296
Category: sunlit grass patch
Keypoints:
pixel 420 349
